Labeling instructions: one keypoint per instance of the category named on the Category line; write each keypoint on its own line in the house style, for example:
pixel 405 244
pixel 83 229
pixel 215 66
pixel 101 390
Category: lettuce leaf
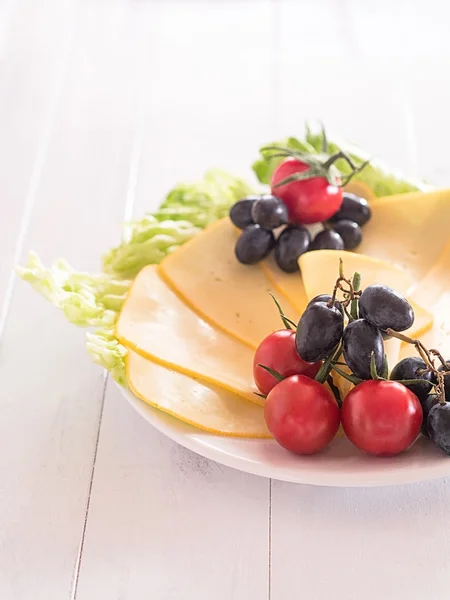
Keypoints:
pixel 86 301
pixel 204 202
pixel 106 351
pixel 383 180
pixel 94 301
pixel 145 242
pixel 186 210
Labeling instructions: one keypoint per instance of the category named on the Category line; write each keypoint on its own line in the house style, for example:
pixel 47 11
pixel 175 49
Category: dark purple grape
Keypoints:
pixel 254 244
pixel 319 331
pixel 350 232
pixel 269 212
pixel 427 405
pixel 241 212
pixel 360 340
pixel 292 243
pixel 327 240
pixel 446 380
pixel 385 308
pixel 326 298
pixel 353 208
pixel 409 368
pixel 438 425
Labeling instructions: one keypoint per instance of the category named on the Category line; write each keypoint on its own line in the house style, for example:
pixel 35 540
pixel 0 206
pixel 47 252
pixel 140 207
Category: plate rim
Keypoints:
pixel 180 435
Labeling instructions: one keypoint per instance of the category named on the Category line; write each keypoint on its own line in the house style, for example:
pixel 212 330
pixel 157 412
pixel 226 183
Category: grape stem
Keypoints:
pixel 350 293
pixel 427 357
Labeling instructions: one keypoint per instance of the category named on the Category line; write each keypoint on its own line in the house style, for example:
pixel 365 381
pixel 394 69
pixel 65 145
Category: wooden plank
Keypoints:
pixel 168 524
pixel 164 522
pixel 52 395
pixel 366 543
pixel 31 73
pixel 326 73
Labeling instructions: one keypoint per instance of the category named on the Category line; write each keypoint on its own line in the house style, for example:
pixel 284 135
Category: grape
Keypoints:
pixel 292 243
pixel 360 339
pixel 319 331
pixel 327 240
pixel 326 298
pixel 254 244
pixel 354 209
pixel 446 379
pixel 427 405
pixel 350 232
pixel 385 308
pixel 241 212
pixel 438 425
pixel 409 368
pixel 269 211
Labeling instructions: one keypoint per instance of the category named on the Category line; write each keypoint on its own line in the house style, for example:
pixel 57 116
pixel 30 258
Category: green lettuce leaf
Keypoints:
pixel 86 301
pixel 106 351
pixel 95 301
pixel 184 212
pixel 382 180
pixel 145 242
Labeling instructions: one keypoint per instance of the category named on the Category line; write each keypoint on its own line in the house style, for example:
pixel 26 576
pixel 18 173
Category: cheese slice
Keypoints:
pixel 156 324
pixel 359 188
pixel 202 405
pixel 434 293
pixel 408 230
pixel 205 273
pixel 320 269
pixel 290 285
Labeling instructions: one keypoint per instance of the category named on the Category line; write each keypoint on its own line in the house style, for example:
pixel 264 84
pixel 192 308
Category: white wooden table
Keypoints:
pixel 104 105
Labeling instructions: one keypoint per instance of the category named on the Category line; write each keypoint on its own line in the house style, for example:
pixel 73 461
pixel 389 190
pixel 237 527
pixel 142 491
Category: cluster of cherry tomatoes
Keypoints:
pixel 379 417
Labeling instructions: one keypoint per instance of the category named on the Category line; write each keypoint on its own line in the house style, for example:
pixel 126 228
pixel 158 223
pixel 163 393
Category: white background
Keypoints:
pixel 104 105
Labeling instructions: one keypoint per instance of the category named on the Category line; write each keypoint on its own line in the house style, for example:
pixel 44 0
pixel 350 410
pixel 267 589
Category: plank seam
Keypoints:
pixel 77 569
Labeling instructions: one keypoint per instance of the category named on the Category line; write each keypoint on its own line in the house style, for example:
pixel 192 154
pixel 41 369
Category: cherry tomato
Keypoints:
pixel 382 418
pixel 308 201
pixel 277 351
pixel 302 415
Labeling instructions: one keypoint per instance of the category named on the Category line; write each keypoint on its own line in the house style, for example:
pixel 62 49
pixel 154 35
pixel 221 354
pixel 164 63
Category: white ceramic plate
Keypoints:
pixel 341 465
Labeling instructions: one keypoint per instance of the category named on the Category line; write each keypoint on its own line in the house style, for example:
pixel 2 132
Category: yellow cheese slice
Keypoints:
pixel 156 324
pixel 320 269
pixel 202 405
pixel 359 188
pixel 288 284
pixel 434 293
pixel 205 273
pixel 408 230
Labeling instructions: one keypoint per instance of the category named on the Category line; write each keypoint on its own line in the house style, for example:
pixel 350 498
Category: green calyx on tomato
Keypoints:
pixel 317 165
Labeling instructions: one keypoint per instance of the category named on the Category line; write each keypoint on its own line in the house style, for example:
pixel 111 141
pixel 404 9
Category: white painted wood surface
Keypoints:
pixel 104 105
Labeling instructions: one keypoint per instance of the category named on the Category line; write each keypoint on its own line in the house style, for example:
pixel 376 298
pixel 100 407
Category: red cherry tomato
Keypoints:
pixel 308 201
pixel 277 351
pixel 382 418
pixel 302 415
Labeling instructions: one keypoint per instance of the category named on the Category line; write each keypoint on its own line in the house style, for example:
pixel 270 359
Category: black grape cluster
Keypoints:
pixel 260 216
pixel 321 328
